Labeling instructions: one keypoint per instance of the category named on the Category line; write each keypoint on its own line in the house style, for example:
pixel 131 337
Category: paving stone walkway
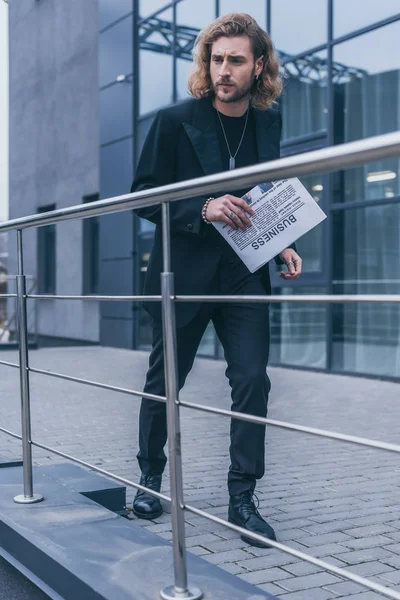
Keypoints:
pixel 333 500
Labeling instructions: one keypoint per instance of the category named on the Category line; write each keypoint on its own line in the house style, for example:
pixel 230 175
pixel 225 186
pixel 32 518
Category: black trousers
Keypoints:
pixel 243 330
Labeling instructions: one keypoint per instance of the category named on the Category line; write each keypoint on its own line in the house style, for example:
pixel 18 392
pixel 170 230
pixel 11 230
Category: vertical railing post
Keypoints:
pixel 28 497
pixel 180 588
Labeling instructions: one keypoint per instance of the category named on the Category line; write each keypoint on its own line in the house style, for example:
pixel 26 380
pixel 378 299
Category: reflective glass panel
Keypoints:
pixel 298 330
pixel 366 261
pixel 209 342
pixel 297 26
pixel 145 321
pixel 144 126
pixel 148 7
pixel 111 10
pixel 304 99
pixel 156 64
pixel 367 99
pixel 350 15
pixel 183 70
pixel 309 246
pixel 116 52
pixel 115 112
pixel 191 17
pixel 116 169
pixel 256 8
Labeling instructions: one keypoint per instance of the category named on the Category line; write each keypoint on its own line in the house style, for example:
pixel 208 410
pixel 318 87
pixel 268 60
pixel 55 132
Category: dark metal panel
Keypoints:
pixel 118 277
pixel 116 333
pixel 116 246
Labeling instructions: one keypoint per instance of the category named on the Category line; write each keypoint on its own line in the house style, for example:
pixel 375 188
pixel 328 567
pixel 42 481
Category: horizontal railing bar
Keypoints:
pixel 102 298
pixel 102 471
pixel 14 435
pixel 343 437
pixel 9 364
pixel 96 384
pixel 334 299
pixel 8 296
pixel 377 587
pixel 14 275
pixel 316 161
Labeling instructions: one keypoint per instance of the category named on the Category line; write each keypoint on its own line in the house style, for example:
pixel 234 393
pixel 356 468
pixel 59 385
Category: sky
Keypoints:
pixel 3 111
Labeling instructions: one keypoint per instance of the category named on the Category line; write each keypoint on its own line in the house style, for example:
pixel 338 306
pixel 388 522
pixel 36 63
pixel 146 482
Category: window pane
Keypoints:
pixel 304 99
pixel 309 246
pixel 90 254
pixel 191 17
pixel 3 301
pixel 367 99
pixel 183 70
pixel 111 10
pixel 255 8
pixel 156 64
pixel 145 321
pixel 366 261
pixel 298 331
pixel 116 169
pixel 115 112
pixel 297 26
pixel 144 126
pixel 349 15
pixel 209 342
pixel 116 52
pixel 148 7
pixel 46 246
pixel 196 15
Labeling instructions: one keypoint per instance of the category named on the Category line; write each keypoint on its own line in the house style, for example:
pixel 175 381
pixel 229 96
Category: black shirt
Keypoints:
pixel 247 154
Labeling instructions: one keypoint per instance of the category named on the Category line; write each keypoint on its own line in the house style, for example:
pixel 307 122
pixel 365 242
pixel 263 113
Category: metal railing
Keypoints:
pixel 327 159
pixel 10 322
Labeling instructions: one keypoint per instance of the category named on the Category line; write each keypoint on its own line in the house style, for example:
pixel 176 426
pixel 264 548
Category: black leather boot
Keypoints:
pixel 243 512
pixel 146 506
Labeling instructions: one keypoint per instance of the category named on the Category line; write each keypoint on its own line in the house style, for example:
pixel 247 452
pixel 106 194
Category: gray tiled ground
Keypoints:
pixel 329 499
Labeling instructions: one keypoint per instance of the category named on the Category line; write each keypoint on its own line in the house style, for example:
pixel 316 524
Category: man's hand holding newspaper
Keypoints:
pixel 230 209
pixel 265 222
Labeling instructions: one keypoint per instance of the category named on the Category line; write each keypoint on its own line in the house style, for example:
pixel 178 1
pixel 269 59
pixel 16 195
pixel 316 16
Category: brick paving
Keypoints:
pixel 330 499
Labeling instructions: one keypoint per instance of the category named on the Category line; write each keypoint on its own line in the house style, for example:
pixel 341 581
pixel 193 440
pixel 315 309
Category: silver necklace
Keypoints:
pixel 232 161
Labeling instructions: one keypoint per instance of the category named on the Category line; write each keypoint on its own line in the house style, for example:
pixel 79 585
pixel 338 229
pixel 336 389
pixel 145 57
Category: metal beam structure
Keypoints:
pixel 159 35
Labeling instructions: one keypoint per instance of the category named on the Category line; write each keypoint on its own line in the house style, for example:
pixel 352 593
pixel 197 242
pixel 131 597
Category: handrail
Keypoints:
pixel 327 299
pixel 325 159
pixel 343 156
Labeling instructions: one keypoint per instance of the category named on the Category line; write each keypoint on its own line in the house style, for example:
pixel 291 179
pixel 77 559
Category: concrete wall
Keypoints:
pixel 54 141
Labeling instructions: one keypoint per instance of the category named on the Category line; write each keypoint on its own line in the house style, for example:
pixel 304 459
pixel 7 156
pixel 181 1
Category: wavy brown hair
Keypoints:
pixel 265 89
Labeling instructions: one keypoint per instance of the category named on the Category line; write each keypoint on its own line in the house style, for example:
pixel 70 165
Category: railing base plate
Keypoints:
pixel 169 593
pixel 21 499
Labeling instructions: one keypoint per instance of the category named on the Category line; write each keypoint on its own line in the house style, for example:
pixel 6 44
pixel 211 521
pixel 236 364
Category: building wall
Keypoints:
pixel 54 89
pixel 54 142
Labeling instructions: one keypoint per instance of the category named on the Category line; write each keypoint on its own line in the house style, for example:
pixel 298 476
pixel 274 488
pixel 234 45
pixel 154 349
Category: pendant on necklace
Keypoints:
pixel 231 163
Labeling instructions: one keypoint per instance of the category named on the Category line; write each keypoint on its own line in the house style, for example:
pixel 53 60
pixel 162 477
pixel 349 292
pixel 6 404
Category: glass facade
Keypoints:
pixel 46 255
pixel 341 83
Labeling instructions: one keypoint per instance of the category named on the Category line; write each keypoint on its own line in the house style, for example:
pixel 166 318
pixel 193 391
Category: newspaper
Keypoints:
pixel 283 212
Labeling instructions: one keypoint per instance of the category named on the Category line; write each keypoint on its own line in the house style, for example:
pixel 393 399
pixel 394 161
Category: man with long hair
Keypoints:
pixel 229 123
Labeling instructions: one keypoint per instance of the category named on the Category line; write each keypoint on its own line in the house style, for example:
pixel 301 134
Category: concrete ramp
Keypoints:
pixel 75 548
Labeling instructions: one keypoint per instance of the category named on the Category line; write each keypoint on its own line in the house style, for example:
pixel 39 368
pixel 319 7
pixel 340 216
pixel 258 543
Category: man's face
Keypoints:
pixel 232 68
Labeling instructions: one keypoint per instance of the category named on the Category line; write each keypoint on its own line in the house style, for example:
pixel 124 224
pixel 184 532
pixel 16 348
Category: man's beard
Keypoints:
pixel 239 94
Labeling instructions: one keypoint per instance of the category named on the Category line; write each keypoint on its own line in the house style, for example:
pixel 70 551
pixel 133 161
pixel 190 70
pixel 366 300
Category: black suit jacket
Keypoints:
pixel 182 144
